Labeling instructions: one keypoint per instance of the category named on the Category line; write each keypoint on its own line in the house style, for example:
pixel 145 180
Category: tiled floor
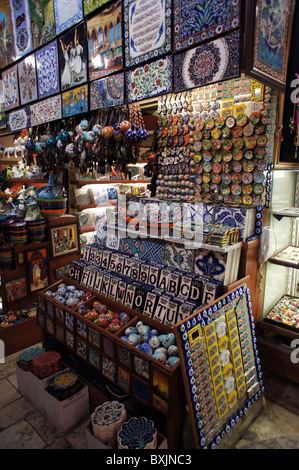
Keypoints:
pixel 23 427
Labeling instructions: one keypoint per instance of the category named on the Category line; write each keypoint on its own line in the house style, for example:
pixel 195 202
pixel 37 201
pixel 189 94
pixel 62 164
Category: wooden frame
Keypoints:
pixel 282 147
pixel 37 265
pixel 64 240
pixel 267 62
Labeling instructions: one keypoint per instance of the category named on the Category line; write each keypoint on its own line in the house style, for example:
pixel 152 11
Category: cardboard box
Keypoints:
pixel 22 381
pixel 66 413
pixel 37 390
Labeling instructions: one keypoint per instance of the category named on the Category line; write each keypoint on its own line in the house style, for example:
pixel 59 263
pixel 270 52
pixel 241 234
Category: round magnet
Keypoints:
pixel 247 178
pixel 247 200
pixel 248 154
pixel 236 189
pixel 230 122
pixel 225 190
pixel 226 133
pixel 226 178
pixel 227 144
pixel 254 118
pixel 197 157
pixel 237 167
pixel 216 133
pixel 237 131
pixel 260 129
pixel 217 168
pixel 206 177
pixel 207 156
pixel 197 134
pixel 261 140
pixel 199 125
pixel 250 142
pixel 227 167
pixel 197 146
pixel 236 178
pixel 216 144
pixel 238 143
pixel 207 166
pixel 206 144
pixel 237 155
pixel 258 189
pixel 210 123
pixel 258 176
pixel 219 121
pixel 227 156
pixel 259 152
pixel 248 130
pixel 216 178
pixel 241 120
pixel 248 166
pixel 247 189
pixel 217 157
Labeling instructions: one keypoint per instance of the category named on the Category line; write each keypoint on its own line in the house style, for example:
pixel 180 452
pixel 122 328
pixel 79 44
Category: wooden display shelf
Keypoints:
pixel 111 182
pixel 26 181
pixel 282 262
pixel 20 336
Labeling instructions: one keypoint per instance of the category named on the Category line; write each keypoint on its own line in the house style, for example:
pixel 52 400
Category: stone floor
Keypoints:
pixel 24 427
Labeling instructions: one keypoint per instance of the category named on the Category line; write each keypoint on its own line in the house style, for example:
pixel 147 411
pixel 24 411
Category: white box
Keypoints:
pixel 64 414
pixel 37 390
pixel 22 381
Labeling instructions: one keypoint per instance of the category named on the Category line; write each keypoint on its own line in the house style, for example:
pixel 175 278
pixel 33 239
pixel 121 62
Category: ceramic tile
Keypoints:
pixel 7 48
pixel 177 256
pixel 67 13
pixel 150 79
pixel 46 110
pixel 195 22
pixel 10 88
pixel 75 101
pixel 107 92
pixel 211 264
pixel 21 27
pixel 147 27
pixel 27 80
pixel 47 68
pixel 208 63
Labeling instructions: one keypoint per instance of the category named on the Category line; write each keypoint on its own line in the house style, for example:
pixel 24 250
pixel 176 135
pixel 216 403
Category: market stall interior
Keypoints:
pixel 149 204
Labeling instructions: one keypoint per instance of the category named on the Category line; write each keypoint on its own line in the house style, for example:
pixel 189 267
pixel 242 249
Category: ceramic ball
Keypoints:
pixel 171 361
pixel 168 340
pixel 130 330
pixel 173 350
pixel 145 347
pixel 160 356
pixel 133 339
pixel 154 342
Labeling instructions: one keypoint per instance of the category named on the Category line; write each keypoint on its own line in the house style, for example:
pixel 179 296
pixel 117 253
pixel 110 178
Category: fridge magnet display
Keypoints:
pixel 7 46
pixel 27 80
pixel 108 368
pixel 18 119
pixel 94 337
pixel 268 41
pixel 72 50
pixel 75 101
pixel 104 32
pixel 67 13
pixel 69 321
pixel 94 357
pixel 46 110
pixel 37 265
pixel 42 22
pixel 107 92
pixel 147 27
pixel 47 69
pixel 10 88
pixel 220 365
pixel 141 367
pixel 16 289
pixel 209 19
pixel 208 63
pixel 64 240
pixel 2 110
pixel 150 79
pixel 21 27
pixel 81 349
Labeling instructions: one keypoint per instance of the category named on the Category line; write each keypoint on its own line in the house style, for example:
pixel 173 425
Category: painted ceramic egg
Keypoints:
pixel 97 304
pixel 114 326
pixel 125 126
pixel 133 339
pixel 154 342
pixel 71 301
pixel 102 308
pixel 97 129
pixel 102 321
pixel 168 340
pixel 130 330
pixel 145 334
pixel 160 356
pixel 138 326
pixel 107 132
pixel 70 288
pixel 123 318
pixel 160 349
pixel 109 316
pixel 173 350
pixel 154 332
pixel 171 361
pixel 84 124
pixel 145 347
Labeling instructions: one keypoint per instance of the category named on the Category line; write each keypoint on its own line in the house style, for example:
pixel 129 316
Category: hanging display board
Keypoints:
pixel 220 365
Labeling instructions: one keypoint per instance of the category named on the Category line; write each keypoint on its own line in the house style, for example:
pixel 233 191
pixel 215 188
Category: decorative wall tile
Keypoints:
pixel 21 27
pixel 46 110
pixel 18 119
pixel 147 26
pixel 94 357
pixel 2 111
pixel 211 264
pixel 82 329
pixel 107 92
pixel 27 80
pixel 67 14
pixel 72 52
pixel 69 321
pixel 196 22
pixel 146 249
pixel 242 218
pixel 150 79
pixel 10 88
pixel 176 255
pixel 208 63
pixel 42 22
pixel 89 6
pixel 75 101
pixel 7 46
pixel 69 339
pixel 105 50
pixel 47 70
